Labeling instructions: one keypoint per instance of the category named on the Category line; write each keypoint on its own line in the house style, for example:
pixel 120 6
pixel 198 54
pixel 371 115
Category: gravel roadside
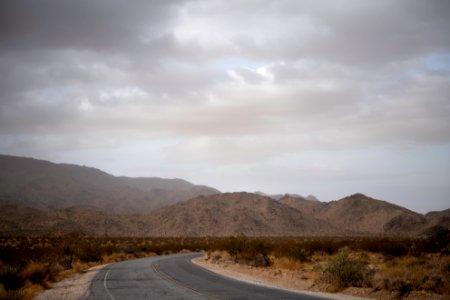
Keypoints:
pixel 72 288
pixel 255 276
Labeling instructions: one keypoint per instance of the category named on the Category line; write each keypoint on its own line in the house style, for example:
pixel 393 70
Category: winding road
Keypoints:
pixel 176 277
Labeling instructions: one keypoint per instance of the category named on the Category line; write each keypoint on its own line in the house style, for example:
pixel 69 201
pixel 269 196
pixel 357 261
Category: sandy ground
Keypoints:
pixel 72 288
pixel 290 280
pixel 77 286
pixel 301 281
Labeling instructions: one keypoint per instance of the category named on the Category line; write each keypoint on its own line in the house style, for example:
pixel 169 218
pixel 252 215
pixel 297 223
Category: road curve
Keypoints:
pixel 176 277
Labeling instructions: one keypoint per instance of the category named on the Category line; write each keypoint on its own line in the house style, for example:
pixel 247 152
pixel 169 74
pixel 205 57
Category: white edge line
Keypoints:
pixel 273 286
pixel 106 287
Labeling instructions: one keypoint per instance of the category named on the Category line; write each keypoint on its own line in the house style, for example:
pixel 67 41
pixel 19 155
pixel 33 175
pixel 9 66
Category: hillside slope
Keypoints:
pixel 361 215
pixel 48 186
pixel 309 207
pixel 231 214
pixel 40 197
pixel 17 220
pixel 216 215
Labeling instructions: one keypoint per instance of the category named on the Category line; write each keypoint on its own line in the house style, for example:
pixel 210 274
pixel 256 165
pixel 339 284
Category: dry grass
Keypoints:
pixel 35 272
pixel 31 264
pixel 30 290
pixel 347 270
pixel 286 263
pixel 360 273
pixel 404 275
pixel 400 266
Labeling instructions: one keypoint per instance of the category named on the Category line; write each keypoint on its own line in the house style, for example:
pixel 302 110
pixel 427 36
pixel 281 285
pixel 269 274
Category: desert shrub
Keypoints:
pixel 299 252
pixel 12 294
pixel 57 253
pixel 54 270
pixel 3 292
pixel 389 259
pixel 127 248
pixel 395 248
pixel 286 263
pixel 403 287
pixel 245 250
pixel 10 278
pixel 214 256
pixel 252 248
pixel 90 254
pixel 35 272
pixel 437 240
pixel 342 272
pixel 68 256
pixel 328 246
pixel 234 246
pixel 410 273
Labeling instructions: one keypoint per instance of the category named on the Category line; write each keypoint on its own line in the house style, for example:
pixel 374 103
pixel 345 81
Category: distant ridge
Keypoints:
pixel 280 196
pixel 360 214
pixel 230 214
pixel 49 186
pixel 38 197
pixel 311 198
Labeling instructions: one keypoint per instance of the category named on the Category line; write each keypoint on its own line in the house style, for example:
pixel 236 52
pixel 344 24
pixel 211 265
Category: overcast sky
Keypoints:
pixel 326 98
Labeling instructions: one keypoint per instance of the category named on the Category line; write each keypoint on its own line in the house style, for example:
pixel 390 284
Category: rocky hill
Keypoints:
pixel 217 215
pixel 230 214
pixel 280 196
pixel 361 215
pixel 301 204
pixel 439 218
pixel 39 197
pixel 17 220
pixel 48 186
pixel 234 213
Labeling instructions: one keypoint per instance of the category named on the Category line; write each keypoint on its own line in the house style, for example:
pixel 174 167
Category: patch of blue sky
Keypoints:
pixel 233 63
pixel 54 95
pixel 437 61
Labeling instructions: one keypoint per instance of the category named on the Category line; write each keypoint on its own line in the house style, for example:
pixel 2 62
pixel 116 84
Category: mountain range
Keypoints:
pixel 48 186
pixel 39 197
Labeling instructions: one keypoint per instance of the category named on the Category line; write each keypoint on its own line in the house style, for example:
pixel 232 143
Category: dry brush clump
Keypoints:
pixel 343 271
pixel 403 275
pixel 396 265
pixel 250 251
pixel 29 264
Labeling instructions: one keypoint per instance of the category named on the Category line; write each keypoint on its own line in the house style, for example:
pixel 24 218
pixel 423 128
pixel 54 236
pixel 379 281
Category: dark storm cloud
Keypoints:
pixel 95 25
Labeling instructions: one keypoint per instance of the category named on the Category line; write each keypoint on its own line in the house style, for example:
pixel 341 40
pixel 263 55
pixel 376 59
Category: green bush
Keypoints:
pixel 342 272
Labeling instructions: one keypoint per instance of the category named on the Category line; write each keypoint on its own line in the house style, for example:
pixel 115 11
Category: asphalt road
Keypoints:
pixel 176 277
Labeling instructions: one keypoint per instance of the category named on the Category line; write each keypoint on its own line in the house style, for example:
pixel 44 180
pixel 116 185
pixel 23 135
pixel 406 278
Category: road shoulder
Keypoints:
pixel 72 288
pixel 263 278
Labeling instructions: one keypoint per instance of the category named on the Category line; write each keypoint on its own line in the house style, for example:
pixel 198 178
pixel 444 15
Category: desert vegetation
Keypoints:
pixel 400 266
pixel 388 268
pixel 31 264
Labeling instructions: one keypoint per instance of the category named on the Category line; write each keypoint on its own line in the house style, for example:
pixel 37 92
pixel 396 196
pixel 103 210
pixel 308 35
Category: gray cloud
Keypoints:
pixel 108 26
pixel 219 88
